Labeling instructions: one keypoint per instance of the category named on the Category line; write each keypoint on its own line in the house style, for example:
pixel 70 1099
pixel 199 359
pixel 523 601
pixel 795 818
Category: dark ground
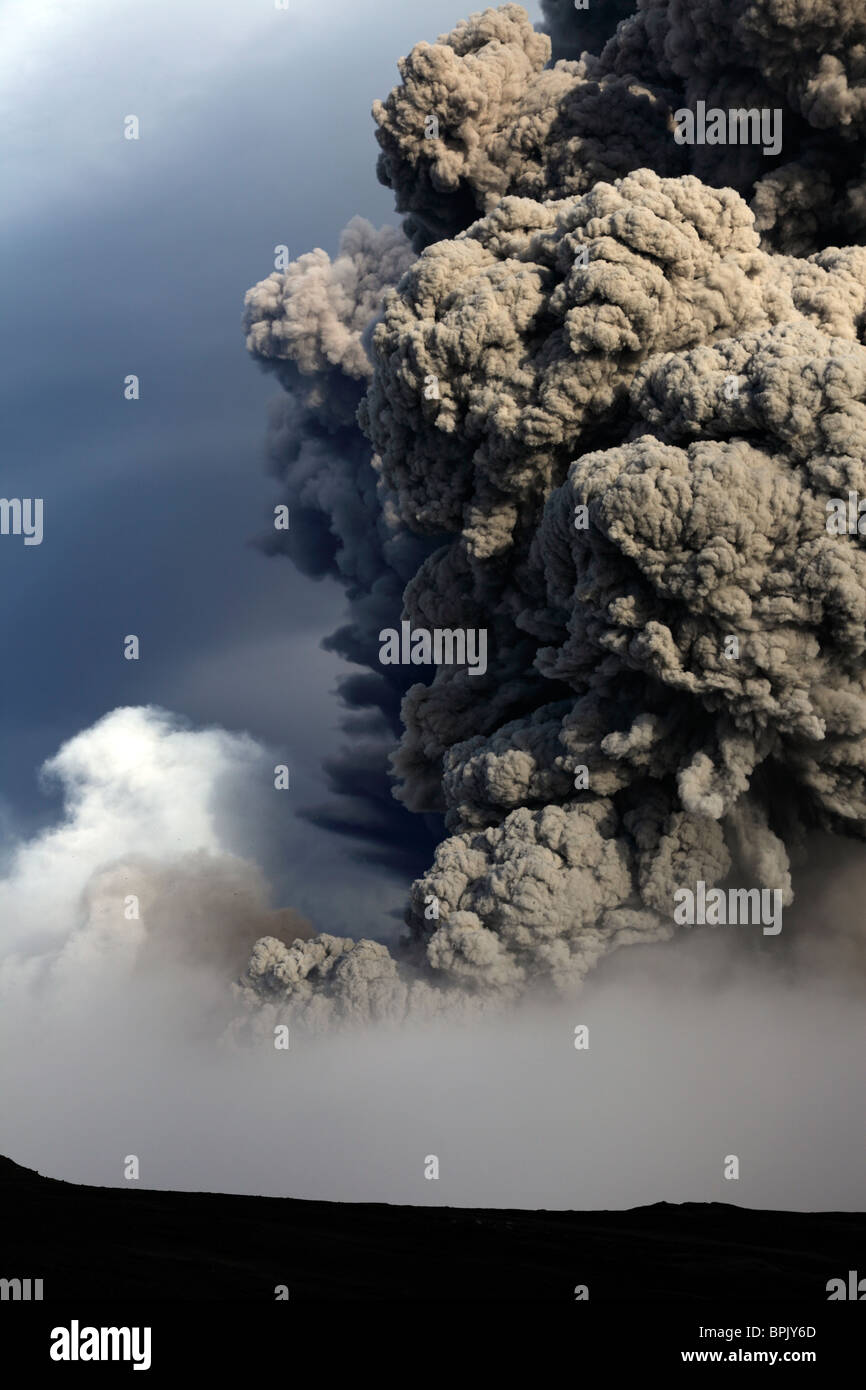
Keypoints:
pixel 94 1242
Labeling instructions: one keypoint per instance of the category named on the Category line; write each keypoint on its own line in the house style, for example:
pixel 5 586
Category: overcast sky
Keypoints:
pixel 126 257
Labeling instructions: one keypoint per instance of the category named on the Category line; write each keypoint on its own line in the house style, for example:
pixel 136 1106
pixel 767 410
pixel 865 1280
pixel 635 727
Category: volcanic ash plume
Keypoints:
pixel 310 326
pixel 643 405
pixel 510 123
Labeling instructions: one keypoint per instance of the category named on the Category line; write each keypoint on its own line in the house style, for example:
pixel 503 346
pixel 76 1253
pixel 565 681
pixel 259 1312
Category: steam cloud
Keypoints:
pixel 142 875
pixel 662 341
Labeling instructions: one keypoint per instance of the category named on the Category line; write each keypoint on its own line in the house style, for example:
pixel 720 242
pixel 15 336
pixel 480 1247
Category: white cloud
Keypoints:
pixel 137 786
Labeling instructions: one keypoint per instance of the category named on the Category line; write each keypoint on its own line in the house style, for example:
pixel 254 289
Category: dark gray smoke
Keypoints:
pixel 575 31
pixel 649 380
pixel 309 327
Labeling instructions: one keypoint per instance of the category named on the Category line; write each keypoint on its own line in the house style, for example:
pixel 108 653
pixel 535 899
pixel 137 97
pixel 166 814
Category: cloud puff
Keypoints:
pixel 308 321
pixel 143 869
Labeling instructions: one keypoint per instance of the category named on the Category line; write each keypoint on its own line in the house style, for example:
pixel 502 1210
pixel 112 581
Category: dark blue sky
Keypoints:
pixel 122 256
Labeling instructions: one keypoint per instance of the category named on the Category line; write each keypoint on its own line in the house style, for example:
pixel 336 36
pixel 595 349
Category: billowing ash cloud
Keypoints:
pixel 310 326
pixel 645 391
pixel 309 321
pixel 510 123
